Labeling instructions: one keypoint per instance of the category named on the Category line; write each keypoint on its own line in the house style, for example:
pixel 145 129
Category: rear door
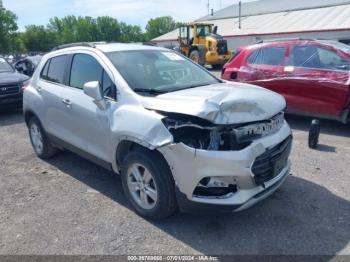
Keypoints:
pixel 51 86
pixel 317 80
pixel 265 68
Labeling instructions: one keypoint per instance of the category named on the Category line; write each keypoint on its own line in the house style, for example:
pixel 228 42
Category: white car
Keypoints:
pixel 178 136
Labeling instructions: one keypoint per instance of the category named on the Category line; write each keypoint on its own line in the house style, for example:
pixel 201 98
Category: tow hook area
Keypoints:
pixel 213 187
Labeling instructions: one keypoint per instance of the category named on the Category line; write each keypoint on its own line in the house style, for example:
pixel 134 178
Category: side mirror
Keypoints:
pixel 93 90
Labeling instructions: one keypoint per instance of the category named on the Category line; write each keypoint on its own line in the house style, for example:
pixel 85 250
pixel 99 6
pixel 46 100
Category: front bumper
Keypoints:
pixel 15 100
pixel 189 166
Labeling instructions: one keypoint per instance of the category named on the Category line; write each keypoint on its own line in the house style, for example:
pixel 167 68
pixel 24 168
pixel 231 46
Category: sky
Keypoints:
pixel 136 12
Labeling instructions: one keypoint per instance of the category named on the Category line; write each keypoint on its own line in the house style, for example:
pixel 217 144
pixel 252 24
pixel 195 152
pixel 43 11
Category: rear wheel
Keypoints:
pixel 39 140
pixel 217 67
pixel 148 184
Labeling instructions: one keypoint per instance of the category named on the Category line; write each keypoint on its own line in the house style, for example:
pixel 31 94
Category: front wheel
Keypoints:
pixel 195 57
pixel 217 67
pixel 148 184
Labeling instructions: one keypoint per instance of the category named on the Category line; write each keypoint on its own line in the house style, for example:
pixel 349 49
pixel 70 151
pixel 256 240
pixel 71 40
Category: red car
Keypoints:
pixel 312 75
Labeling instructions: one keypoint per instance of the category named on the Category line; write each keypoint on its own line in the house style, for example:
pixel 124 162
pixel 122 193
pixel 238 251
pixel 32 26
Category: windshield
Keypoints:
pixel 4 66
pixel 158 71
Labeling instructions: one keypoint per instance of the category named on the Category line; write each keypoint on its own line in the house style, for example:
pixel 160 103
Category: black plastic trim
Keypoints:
pixel 60 143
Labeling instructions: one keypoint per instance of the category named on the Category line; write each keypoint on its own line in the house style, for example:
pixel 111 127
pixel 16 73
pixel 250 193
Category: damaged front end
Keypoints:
pixel 201 134
pixel 213 162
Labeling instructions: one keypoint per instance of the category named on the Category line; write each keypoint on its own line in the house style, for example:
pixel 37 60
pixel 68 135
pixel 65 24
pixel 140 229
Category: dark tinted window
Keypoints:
pixel 268 56
pixel 108 87
pixel 84 69
pixel 56 69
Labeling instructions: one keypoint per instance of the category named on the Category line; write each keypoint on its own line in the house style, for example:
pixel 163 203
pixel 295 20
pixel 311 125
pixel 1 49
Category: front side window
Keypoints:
pixel 274 56
pixel 332 61
pixel 5 66
pixel 312 56
pixel 108 87
pixel 54 69
pixel 84 69
pixel 159 71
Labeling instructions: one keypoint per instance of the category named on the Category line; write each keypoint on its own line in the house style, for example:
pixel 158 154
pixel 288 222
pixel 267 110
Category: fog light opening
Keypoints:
pixel 214 188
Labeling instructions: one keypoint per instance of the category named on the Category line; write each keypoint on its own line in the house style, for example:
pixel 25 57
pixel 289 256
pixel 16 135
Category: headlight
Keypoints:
pixel 24 85
pixel 200 134
pixel 261 129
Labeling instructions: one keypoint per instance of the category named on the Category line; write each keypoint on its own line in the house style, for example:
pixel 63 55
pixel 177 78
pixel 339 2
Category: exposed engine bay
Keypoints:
pixel 202 134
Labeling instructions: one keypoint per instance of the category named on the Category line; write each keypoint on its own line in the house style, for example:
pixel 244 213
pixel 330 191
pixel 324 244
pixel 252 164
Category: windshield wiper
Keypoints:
pixel 189 87
pixel 149 91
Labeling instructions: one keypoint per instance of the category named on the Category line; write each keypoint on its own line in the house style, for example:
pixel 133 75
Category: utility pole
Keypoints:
pixel 1 6
pixel 240 15
pixel 208 6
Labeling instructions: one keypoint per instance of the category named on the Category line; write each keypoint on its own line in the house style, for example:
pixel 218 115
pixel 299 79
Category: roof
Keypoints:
pixel 105 47
pixel 113 47
pixel 271 6
pixel 336 17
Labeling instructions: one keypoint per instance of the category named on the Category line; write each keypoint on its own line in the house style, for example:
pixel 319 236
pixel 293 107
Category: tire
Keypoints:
pixel 217 67
pixel 195 57
pixel 39 140
pixel 314 134
pixel 159 193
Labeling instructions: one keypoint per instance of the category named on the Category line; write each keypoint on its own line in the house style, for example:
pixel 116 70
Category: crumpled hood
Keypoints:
pixel 12 78
pixel 227 103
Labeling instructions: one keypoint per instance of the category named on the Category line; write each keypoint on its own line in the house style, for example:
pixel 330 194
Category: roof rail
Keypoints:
pixel 283 39
pixel 85 44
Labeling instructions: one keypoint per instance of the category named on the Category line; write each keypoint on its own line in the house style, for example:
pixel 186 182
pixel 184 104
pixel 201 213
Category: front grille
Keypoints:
pixel 9 89
pixel 264 165
pixel 222 47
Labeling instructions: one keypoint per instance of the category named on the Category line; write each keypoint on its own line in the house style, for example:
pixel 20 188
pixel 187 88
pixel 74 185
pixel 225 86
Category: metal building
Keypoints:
pixel 275 19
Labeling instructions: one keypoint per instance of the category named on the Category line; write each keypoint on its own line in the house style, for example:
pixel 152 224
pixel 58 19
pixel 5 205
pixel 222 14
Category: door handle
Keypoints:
pixel 67 102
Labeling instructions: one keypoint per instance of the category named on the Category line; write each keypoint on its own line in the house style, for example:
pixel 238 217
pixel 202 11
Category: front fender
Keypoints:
pixel 139 125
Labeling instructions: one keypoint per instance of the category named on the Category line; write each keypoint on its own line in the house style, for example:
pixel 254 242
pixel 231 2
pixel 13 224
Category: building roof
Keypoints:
pixel 327 15
pixel 271 6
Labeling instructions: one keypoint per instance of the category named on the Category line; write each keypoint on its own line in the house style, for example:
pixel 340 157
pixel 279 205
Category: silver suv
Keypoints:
pixel 178 136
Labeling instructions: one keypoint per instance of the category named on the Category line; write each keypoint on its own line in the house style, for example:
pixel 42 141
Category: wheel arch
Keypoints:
pixel 126 146
pixel 28 114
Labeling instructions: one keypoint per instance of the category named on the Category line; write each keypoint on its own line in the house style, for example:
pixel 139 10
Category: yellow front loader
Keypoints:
pixel 201 43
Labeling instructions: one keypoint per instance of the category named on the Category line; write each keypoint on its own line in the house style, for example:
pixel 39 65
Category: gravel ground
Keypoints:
pixel 70 206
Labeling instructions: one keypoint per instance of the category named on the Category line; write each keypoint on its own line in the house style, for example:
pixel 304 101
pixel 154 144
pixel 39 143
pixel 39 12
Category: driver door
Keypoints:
pixel 89 125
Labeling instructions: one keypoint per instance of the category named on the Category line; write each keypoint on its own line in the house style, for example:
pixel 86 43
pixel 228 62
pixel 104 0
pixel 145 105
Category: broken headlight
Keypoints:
pixel 200 134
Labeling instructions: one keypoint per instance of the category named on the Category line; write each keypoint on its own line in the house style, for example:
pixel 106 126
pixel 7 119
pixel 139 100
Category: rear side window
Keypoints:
pixel 84 69
pixel 54 69
pixel 268 56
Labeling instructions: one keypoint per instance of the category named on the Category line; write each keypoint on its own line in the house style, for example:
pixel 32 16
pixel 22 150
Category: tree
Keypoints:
pixel 160 26
pixel 8 27
pixel 109 29
pixel 39 38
